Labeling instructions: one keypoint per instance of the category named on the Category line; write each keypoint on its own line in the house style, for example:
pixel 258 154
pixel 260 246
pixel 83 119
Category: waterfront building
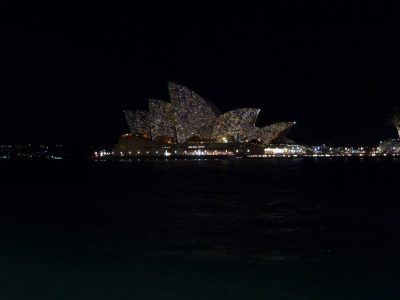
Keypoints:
pixel 192 124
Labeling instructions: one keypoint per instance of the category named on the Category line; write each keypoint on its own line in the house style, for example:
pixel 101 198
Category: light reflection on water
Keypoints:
pixel 295 229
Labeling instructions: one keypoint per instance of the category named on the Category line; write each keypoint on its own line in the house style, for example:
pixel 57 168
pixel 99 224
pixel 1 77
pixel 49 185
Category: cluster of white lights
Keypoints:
pixel 103 153
pixel 196 147
pixel 275 150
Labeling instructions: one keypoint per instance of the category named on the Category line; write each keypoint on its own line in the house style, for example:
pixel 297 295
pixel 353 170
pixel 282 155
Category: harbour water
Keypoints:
pixel 201 229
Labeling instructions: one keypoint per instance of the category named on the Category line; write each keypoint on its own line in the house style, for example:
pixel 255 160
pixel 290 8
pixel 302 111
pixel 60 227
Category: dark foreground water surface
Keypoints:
pixel 223 229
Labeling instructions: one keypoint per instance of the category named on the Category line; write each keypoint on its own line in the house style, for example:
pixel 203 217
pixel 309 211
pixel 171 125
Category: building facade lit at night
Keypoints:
pixel 190 125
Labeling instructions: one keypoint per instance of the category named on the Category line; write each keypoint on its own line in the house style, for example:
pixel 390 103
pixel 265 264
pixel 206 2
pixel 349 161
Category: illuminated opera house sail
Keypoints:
pixel 189 117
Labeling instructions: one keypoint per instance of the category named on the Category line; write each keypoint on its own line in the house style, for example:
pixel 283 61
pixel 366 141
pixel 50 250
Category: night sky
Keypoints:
pixel 68 72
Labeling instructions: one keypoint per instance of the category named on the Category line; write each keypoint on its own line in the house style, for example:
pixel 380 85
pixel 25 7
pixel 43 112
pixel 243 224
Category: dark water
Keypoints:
pixel 239 229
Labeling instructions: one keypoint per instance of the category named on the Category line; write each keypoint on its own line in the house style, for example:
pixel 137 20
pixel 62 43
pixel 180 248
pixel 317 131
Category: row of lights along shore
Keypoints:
pixel 297 151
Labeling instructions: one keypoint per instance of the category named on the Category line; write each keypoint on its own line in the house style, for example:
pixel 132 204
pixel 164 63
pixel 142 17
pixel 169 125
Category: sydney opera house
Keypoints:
pixel 192 125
